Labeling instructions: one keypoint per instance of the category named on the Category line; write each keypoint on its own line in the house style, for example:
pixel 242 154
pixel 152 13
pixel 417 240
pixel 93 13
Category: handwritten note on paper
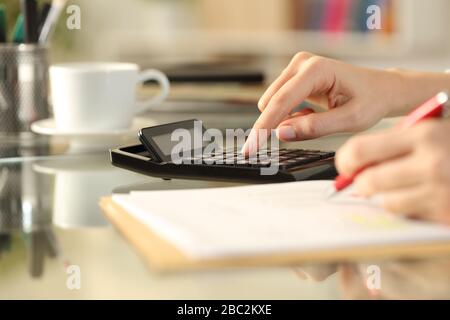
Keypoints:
pixel 269 218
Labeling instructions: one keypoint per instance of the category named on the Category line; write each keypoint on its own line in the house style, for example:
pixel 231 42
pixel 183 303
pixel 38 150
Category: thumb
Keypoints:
pixel 345 118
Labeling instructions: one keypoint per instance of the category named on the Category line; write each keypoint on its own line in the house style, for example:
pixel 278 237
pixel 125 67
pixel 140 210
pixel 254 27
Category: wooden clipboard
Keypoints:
pixel 162 256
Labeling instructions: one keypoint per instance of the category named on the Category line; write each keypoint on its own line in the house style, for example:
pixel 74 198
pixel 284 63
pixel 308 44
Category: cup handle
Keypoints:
pixel 163 81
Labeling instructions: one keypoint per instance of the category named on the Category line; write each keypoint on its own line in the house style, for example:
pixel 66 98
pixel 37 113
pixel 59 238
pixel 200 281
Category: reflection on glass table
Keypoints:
pixel 406 279
pixel 40 192
pixel 24 206
pixel 50 218
pixel 35 192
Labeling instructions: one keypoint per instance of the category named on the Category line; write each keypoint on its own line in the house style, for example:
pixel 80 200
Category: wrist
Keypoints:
pixel 394 85
pixel 411 88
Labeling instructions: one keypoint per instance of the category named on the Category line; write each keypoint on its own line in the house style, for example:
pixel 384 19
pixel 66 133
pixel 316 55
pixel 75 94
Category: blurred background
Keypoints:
pixel 187 37
pixel 413 34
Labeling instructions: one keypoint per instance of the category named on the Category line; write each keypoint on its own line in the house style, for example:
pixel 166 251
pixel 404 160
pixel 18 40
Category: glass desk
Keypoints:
pixel 50 218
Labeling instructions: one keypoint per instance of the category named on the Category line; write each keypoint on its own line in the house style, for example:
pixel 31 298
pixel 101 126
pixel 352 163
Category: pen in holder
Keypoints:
pixel 23 87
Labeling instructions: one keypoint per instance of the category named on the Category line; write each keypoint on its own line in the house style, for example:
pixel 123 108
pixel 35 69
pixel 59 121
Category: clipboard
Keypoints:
pixel 162 256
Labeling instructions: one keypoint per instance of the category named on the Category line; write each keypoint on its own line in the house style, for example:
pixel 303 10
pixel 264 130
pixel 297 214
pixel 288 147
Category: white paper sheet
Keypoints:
pixel 261 219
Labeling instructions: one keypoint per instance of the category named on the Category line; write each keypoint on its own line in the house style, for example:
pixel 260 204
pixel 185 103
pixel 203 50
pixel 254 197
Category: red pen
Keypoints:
pixel 433 108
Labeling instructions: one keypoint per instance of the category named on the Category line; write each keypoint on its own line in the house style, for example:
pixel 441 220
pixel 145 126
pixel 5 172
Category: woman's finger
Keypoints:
pixel 285 76
pixel 302 112
pixel 286 133
pixel 390 175
pixel 411 201
pixel 370 149
pixel 314 125
pixel 292 93
pixel 282 103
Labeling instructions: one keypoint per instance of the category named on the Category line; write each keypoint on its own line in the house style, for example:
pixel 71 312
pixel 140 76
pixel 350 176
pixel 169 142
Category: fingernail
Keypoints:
pixel 250 146
pixel 260 104
pixel 244 148
pixel 286 133
pixel 247 143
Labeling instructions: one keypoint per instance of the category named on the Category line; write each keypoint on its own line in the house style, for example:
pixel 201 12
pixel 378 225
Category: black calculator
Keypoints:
pixel 160 155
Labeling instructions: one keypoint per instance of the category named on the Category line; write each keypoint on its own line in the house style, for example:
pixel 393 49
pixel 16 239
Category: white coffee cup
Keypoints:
pixel 98 96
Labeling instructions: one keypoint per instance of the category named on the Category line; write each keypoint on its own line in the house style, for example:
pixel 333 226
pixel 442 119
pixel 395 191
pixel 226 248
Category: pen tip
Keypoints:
pixel 331 194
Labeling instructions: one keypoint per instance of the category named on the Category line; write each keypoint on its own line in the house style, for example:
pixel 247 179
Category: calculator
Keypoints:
pixel 199 159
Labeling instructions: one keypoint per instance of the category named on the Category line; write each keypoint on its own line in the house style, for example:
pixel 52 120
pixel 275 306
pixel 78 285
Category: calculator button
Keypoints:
pixel 208 160
pixel 277 164
pixel 229 160
pixel 192 160
pixel 230 156
pixel 242 164
pixel 265 163
pixel 286 161
pixel 275 157
pixel 219 159
pixel 325 155
pixel 308 158
pixel 302 152
pixel 290 152
pixel 267 150
pixel 229 150
pixel 262 154
pixel 253 160
pixel 310 151
pixel 299 162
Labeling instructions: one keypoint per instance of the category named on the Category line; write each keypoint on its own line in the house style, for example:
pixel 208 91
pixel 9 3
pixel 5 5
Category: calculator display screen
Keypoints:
pixel 166 144
pixel 163 140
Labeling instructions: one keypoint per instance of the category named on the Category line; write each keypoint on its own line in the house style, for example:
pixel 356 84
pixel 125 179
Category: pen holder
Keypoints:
pixel 23 87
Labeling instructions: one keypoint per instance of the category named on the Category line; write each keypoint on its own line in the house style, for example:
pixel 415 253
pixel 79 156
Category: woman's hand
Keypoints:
pixel 354 98
pixel 410 167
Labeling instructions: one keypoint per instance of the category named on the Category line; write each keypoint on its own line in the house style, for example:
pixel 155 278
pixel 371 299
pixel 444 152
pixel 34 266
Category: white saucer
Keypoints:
pixel 95 140
pixel 48 127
